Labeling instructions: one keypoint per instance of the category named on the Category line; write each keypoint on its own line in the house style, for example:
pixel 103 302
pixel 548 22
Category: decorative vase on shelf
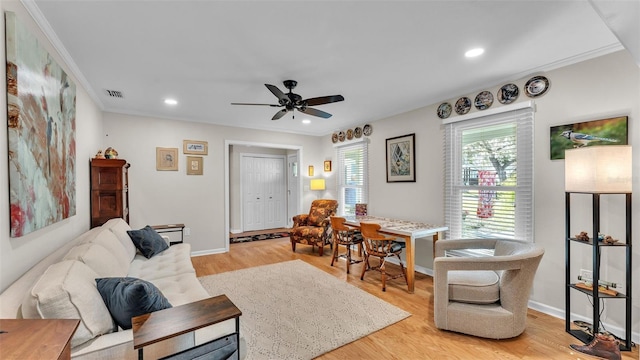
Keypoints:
pixel 111 153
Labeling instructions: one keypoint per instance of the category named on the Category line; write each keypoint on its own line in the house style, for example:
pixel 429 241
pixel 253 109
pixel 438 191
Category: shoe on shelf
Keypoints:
pixel 604 346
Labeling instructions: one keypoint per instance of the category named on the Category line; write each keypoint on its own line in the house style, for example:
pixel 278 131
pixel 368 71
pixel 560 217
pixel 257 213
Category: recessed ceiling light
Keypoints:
pixel 474 52
pixel 171 101
pixel 306 121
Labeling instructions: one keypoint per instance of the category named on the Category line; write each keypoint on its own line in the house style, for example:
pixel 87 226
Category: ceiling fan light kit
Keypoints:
pixel 291 101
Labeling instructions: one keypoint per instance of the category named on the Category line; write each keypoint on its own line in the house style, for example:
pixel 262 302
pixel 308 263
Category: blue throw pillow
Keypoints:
pixel 128 297
pixel 148 241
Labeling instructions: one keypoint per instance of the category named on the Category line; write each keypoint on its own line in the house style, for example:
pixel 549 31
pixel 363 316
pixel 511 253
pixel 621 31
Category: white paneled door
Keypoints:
pixel 263 180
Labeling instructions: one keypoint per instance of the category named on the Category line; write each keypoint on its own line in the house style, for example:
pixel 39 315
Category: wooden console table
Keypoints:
pixel 170 228
pixel 165 324
pixel 36 338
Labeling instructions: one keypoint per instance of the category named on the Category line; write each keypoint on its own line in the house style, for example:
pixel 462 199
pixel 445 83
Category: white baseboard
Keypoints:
pixel 209 252
pixel 235 231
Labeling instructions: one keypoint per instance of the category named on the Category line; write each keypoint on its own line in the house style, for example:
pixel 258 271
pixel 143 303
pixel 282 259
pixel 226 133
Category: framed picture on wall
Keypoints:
pixel 611 131
pixel 401 159
pixel 327 165
pixel 195 147
pixel 194 165
pixel 166 159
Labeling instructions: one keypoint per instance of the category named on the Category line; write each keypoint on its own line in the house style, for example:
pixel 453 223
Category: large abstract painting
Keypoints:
pixel 41 112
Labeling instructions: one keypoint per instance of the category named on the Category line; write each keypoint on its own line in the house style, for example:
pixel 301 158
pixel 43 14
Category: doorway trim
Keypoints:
pixel 227 147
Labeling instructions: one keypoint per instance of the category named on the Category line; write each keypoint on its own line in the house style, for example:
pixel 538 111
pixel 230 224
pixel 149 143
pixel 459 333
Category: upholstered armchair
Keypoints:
pixel 484 296
pixel 314 228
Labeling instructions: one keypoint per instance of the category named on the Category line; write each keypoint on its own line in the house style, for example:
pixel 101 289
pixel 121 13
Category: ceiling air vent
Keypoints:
pixel 115 94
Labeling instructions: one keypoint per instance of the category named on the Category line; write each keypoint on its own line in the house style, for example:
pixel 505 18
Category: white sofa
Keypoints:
pixel 63 285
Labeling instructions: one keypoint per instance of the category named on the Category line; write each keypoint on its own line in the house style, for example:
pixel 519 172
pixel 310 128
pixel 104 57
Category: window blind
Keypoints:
pixel 352 172
pixel 489 176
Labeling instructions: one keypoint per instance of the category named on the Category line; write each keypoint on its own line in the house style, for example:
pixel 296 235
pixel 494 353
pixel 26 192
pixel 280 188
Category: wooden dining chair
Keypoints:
pixel 347 236
pixel 382 247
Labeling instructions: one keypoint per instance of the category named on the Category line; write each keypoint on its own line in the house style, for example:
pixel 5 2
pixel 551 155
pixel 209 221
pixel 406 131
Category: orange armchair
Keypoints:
pixel 314 228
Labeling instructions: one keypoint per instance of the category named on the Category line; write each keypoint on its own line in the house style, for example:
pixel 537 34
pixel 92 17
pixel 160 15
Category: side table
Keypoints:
pixel 170 228
pixel 165 324
pixel 37 338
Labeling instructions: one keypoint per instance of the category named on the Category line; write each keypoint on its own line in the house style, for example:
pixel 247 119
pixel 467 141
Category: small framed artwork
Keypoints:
pixel 401 159
pixel 195 147
pixel 194 165
pixel 612 131
pixel 166 159
pixel 327 166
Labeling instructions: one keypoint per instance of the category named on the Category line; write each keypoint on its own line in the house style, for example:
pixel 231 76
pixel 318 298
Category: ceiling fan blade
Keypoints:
pixel 282 97
pixel 272 105
pixel 279 114
pixel 315 112
pixel 324 100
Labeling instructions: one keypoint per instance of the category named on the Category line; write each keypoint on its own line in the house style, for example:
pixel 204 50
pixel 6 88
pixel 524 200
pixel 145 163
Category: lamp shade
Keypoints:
pixel 598 169
pixel 317 184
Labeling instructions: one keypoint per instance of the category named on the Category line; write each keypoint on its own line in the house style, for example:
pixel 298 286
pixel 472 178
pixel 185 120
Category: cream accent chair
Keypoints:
pixel 484 296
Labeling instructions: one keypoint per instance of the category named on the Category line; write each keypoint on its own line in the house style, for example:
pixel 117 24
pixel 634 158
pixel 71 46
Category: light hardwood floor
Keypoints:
pixel 415 337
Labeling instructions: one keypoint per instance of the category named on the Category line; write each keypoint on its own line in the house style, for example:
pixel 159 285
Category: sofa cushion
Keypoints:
pixel 109 241
pixel 476 287
pixel 67 290
pixel 128 297
pixel 97 258
pixel 119 228
pixel 148 241
pixel 171 262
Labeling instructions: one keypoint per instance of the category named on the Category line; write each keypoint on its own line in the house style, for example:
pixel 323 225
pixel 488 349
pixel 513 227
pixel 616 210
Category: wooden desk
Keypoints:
pixel 165 324
pixel 407 230
pixel 36 338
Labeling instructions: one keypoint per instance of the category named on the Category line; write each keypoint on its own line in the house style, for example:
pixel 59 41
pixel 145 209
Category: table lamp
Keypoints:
pixel 598 169
pixel 317 184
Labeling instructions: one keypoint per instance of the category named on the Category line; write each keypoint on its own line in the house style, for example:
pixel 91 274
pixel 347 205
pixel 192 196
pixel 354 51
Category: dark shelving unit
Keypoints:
pixel 597 246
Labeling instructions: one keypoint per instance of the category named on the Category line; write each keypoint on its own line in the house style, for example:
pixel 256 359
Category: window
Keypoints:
pixel 489 176
pixel 352 172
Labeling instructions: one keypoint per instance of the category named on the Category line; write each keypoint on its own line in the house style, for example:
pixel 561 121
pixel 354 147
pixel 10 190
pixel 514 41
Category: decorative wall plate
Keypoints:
pixel 334 138
pixel 349 134
pixel 341 136
pixel 536 86
pixel 463 105
pixel 508 93
pixel 357 132
pixel 484 100
pixel 367 130
pixel 444 110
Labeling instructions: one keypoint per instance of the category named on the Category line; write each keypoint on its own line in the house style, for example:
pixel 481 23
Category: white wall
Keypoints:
pixel 18 254
pixel 600 88
pixel 167 197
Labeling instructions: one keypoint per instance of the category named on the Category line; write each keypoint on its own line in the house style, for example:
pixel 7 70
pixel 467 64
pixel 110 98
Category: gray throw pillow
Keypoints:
pixel 148 241
pixel 128 297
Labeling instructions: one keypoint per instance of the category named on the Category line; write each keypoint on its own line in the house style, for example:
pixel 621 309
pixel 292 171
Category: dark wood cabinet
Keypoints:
pixel 109 190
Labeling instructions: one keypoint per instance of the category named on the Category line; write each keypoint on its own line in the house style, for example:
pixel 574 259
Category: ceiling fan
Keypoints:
pixel 291 101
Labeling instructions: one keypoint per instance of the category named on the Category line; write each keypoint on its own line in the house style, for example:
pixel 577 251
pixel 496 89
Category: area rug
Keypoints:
pixel 292 310
pixel 269 236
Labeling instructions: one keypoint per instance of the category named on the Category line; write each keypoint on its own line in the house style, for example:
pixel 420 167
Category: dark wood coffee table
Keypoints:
pixel 165 324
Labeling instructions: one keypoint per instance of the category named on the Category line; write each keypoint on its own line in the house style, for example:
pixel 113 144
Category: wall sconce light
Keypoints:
pixel 327 166
pixel 598 169
pixel 310 170
pixel 317 184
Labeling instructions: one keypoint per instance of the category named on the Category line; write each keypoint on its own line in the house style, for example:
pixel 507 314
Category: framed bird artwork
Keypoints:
pixel 612 131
